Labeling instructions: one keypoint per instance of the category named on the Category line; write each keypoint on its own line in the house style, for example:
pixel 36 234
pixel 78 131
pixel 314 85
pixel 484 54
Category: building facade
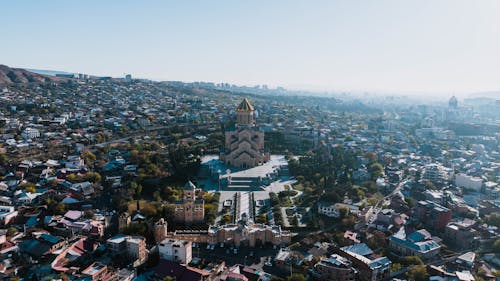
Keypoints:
pixel 189 210
pixel 133 246
pixel 176 250
pixel 244 146
pixel 160 230
pixel 248 234
pixel 461 235
pixel 435 216
pixel 335 267
pixel 469 182
pixel 418 243
pixel 369 266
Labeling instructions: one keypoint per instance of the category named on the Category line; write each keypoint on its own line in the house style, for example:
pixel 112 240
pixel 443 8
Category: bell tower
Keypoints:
pixel 244 113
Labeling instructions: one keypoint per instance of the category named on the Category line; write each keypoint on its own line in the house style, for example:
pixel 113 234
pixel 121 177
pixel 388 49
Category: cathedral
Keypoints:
pixel 244 145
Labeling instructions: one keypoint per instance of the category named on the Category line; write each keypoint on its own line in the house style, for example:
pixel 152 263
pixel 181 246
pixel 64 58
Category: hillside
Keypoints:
pixel 9 76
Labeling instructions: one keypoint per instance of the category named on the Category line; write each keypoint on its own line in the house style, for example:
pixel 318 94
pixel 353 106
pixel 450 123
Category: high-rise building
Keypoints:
pixel 453 102
pixel 244 145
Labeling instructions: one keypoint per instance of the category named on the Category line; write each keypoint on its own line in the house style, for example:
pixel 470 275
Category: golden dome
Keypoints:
pixel 245 105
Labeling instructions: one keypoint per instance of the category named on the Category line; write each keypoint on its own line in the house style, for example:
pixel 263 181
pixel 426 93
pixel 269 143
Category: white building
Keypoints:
pixel 333 209
pixel 176 250
pixel 7 213
pixel 468 182
pixel 30 133
pixel 436 172
pixel 74 162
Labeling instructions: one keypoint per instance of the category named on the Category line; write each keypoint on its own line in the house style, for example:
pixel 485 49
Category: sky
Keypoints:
pixel 412 46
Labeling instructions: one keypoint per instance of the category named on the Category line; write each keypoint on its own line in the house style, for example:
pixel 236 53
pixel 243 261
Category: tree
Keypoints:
pixel 11 231
pixel 395 267
pixel 89 157
pixel 493 219
pixel 496 246
pixel 60 209
pixel 88 214
pixel 418 273
pixel 343 211
pixel 138 191
pixel 296 277
pixel 30 188
pixel 226 219
pixel 71 178
pixel 3 159
pixel 376 170
pixel 64 276
pixel 377 240
pixel 149 210
pixel 371 156
pixel 412 260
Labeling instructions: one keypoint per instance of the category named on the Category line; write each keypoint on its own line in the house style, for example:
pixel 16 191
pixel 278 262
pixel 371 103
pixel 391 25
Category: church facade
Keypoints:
pixel 244 146
pixel 189 210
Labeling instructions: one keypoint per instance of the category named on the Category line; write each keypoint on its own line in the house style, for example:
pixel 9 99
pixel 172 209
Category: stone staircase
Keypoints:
pixel 243 182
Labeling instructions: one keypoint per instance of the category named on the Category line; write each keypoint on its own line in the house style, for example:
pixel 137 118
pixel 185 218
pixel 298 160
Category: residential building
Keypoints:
pixel 469 182
pixel 7 214
pixel 334 267
pixel 30 133
pixel 98 272
pixel 369 266
pixel 133 246
pixel 333 209
pixel 180 272
pixel 418 243
pixel 433 215
pixel 435 173
pixel 461 234
pixel 176 250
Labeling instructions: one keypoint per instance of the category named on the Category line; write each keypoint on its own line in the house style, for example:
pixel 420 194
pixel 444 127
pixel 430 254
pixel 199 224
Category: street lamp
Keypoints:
pixel 219 176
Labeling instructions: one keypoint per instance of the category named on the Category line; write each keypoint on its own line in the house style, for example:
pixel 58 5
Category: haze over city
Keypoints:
pixel 250 140
pixel 409 47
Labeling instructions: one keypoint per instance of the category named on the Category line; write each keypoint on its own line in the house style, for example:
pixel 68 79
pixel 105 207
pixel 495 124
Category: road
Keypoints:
pixel 386 200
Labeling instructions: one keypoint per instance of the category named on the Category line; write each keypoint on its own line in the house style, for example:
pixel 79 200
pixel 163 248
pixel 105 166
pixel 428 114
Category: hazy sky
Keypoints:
pixel 449 46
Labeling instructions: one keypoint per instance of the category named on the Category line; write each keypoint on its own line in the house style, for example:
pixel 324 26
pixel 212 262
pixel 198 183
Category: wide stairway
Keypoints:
pixel 243 182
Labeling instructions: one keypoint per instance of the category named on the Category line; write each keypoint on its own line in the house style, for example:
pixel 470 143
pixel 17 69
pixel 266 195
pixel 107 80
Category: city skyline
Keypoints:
pixel 444 47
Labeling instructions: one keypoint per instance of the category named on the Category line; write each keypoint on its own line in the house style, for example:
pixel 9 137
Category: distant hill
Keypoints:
pixel 491 95
pixel 9 76
pixel 48 72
